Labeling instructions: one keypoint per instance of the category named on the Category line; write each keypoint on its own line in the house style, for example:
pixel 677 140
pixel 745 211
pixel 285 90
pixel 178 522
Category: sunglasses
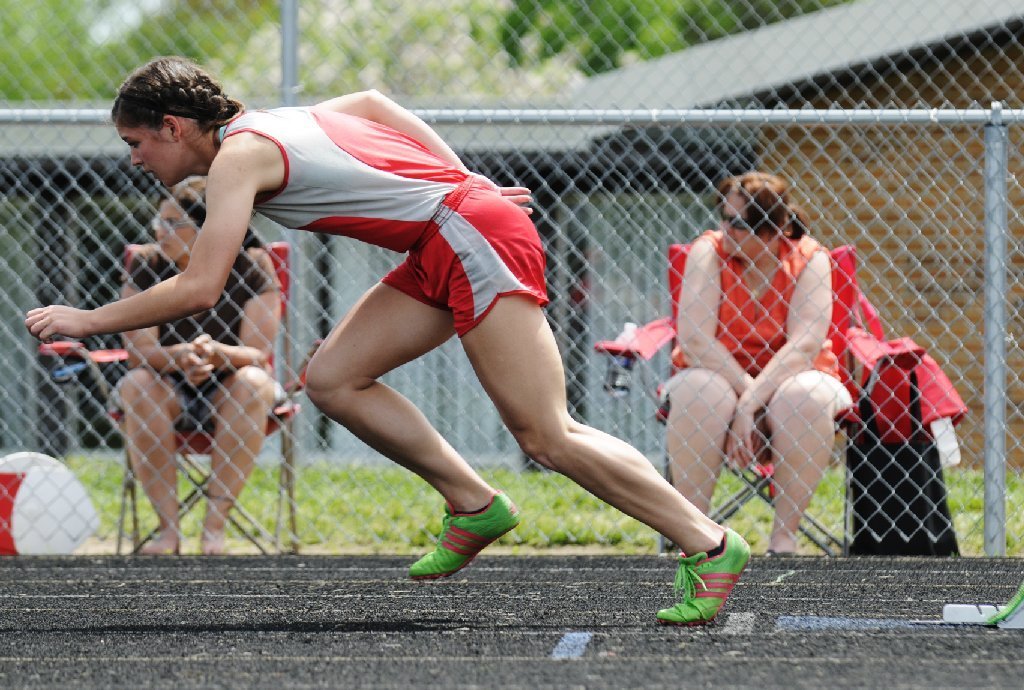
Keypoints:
pixel 737 222
pixel 172 226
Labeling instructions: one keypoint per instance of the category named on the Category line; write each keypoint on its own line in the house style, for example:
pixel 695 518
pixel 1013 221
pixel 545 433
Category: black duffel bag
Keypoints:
pixel 897 491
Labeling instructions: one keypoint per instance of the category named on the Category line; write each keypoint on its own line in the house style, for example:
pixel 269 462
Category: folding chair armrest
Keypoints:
pixel 646 341
pixel 86 359
pixel 71 349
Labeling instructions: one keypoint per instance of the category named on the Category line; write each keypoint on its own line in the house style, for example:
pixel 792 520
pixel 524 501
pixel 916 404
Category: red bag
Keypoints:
pixel 890 392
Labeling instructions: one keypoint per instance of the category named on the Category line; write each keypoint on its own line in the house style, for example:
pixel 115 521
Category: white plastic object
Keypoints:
pixel 627 334
pixel 968 614
pixel 946 442
pixel 44 509
pixel 979 614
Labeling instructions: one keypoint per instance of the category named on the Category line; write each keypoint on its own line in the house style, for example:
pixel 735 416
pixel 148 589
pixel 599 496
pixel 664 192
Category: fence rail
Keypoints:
pixel 996 114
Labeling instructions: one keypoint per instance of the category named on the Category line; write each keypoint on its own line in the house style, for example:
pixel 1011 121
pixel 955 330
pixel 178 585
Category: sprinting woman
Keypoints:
pixel 364 167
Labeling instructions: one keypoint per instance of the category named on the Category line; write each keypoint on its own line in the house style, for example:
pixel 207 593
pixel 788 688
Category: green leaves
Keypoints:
pixel 605 34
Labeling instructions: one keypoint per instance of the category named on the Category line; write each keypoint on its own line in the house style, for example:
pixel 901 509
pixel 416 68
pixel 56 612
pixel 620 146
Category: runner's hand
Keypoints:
pixel 520 196
pixel 47 322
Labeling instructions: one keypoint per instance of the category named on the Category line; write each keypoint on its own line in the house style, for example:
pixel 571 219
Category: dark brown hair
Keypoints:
pixel 172 86
pixel 190 196
pixel 767 204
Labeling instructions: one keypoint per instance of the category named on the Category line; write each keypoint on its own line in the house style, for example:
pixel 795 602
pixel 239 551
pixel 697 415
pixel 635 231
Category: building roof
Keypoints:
pixel 794 51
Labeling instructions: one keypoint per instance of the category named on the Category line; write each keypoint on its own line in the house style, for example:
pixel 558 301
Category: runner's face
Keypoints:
pixel 160 152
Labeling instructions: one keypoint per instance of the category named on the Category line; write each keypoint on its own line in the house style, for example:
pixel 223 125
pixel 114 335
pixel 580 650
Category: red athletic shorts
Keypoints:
pixel 484 247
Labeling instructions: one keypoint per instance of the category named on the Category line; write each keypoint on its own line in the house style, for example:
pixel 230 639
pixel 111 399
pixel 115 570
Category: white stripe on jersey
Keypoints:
pixel 325 181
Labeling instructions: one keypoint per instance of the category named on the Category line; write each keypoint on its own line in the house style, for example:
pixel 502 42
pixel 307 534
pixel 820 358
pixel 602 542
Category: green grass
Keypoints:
pixel 374 510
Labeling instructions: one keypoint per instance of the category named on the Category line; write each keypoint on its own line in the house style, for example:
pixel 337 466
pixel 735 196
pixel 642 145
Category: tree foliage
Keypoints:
pixel 43 56
pixel 600 34
pixel 454 51
pixel 81 49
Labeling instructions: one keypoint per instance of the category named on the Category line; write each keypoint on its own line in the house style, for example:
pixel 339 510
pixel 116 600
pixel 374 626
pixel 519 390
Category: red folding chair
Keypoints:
pixel 191 444
pixel 849 308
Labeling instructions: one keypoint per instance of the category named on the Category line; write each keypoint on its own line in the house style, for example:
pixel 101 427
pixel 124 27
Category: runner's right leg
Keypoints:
pixel 515 356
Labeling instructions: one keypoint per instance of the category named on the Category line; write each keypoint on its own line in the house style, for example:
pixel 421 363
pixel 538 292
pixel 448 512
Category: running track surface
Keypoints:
pixel 506 621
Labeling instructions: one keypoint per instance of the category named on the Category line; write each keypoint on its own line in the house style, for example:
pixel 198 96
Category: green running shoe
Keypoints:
pixel 464 536
pixel 1013 607
pixel 703 584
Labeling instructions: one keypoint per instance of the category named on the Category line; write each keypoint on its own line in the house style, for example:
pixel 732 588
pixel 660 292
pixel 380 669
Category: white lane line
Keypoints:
pixel 572 645
pixel 739 624
pixel 783 576
pixel 820 623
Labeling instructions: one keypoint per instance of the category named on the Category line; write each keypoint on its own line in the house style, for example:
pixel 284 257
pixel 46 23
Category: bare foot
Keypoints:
pixel 165 543
pixel 212 543
pixel 782 546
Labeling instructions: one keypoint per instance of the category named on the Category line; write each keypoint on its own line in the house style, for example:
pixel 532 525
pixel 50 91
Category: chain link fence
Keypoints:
pixel 622 117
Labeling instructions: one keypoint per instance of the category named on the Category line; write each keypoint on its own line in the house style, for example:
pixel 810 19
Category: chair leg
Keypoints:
pixel 664 544
pixel 134 491
pixel 822 538
pixel 127 496
pixel 254 533
pixel 810 527
pixel 129 502
pixel 286 491
pixel 753 488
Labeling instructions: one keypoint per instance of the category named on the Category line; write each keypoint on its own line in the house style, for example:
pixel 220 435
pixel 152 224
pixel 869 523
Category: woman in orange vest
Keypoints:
pixel 758 381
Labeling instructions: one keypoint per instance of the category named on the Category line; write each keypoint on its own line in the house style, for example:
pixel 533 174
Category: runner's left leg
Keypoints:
pixel 384 330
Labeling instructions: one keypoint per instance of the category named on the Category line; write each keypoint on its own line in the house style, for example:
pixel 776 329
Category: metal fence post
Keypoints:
pixel 995 332
pixel 289 51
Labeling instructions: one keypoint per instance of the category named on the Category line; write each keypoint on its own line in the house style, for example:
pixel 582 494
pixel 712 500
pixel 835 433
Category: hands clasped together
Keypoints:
pixel 199 359
pixel 746 440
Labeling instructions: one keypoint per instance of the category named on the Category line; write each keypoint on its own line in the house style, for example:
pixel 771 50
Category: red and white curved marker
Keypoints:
pixel 44 509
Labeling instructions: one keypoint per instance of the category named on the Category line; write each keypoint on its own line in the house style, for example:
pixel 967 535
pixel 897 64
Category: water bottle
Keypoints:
pixel 620 367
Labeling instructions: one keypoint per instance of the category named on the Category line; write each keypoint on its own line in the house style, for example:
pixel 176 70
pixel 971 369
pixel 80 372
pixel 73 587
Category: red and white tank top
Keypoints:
pixel 345 175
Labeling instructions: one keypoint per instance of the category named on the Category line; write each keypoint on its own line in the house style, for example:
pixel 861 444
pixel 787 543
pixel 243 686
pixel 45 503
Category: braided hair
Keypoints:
pixel 172 86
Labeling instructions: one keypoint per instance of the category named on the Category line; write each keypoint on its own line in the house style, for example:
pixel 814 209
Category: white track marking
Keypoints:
pixel 572 645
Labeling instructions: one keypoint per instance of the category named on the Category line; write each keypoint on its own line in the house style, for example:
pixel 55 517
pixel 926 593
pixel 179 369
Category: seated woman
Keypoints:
pixel 758 380
pixel 209 372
